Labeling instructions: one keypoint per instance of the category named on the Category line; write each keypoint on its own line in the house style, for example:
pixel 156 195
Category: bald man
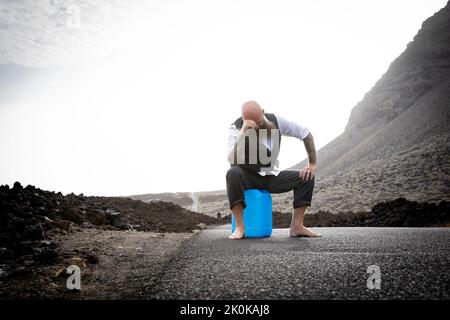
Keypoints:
pixel 249 170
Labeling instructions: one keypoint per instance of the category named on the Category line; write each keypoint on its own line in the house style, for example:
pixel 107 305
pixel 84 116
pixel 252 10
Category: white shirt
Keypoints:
pixel 287 128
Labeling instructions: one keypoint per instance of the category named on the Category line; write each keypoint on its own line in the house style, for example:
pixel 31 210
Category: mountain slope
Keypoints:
pixel 396 142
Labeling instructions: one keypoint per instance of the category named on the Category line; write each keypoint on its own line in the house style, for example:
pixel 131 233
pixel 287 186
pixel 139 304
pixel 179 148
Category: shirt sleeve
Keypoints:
pixel 292 129
pixel 233 135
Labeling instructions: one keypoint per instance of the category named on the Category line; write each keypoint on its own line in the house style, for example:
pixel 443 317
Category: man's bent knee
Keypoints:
pixel 309 181
pixel 234 172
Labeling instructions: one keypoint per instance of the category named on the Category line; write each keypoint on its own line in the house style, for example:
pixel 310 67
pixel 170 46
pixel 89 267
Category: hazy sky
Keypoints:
pixel 125 97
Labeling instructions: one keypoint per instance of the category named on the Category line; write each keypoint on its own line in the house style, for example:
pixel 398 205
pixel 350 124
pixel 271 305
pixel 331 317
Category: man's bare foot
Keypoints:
pixel 303 232
pixel 237 234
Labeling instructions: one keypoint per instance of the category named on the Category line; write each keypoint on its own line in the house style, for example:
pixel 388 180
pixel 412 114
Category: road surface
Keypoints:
pixel 413 264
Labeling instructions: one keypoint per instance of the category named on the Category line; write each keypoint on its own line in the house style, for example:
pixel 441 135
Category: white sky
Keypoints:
pixel 152 90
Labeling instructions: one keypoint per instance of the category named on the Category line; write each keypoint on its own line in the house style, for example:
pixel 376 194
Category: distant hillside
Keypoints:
pixel 207 202
pixel 183 199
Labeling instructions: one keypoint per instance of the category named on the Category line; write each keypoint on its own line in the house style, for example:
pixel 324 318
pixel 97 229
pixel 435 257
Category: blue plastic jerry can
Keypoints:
pixel 257 214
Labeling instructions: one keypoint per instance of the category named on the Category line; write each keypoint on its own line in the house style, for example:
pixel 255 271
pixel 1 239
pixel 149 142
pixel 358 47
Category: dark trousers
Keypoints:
pixel 239 180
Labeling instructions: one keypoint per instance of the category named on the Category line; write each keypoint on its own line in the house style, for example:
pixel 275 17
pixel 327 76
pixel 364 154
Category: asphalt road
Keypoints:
pixel 414 264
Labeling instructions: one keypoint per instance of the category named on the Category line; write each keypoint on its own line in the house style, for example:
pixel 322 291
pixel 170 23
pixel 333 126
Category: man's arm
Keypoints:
pixel 268 124
pixel 307 173
pixel 293 129
pixel 310 149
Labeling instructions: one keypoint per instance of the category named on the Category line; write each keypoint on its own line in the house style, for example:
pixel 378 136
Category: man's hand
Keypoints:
pixel 249 124
pixel 307 173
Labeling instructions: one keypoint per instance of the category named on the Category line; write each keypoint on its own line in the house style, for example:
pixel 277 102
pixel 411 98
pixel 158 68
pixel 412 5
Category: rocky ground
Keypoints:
pixel 35 225
pixel 113 265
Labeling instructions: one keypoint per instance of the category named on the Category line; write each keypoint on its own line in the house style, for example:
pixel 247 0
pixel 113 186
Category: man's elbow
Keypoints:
pixel 309 137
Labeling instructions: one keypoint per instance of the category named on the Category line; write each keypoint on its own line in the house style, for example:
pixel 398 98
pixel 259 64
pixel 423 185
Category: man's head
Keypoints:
pixel 251 110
